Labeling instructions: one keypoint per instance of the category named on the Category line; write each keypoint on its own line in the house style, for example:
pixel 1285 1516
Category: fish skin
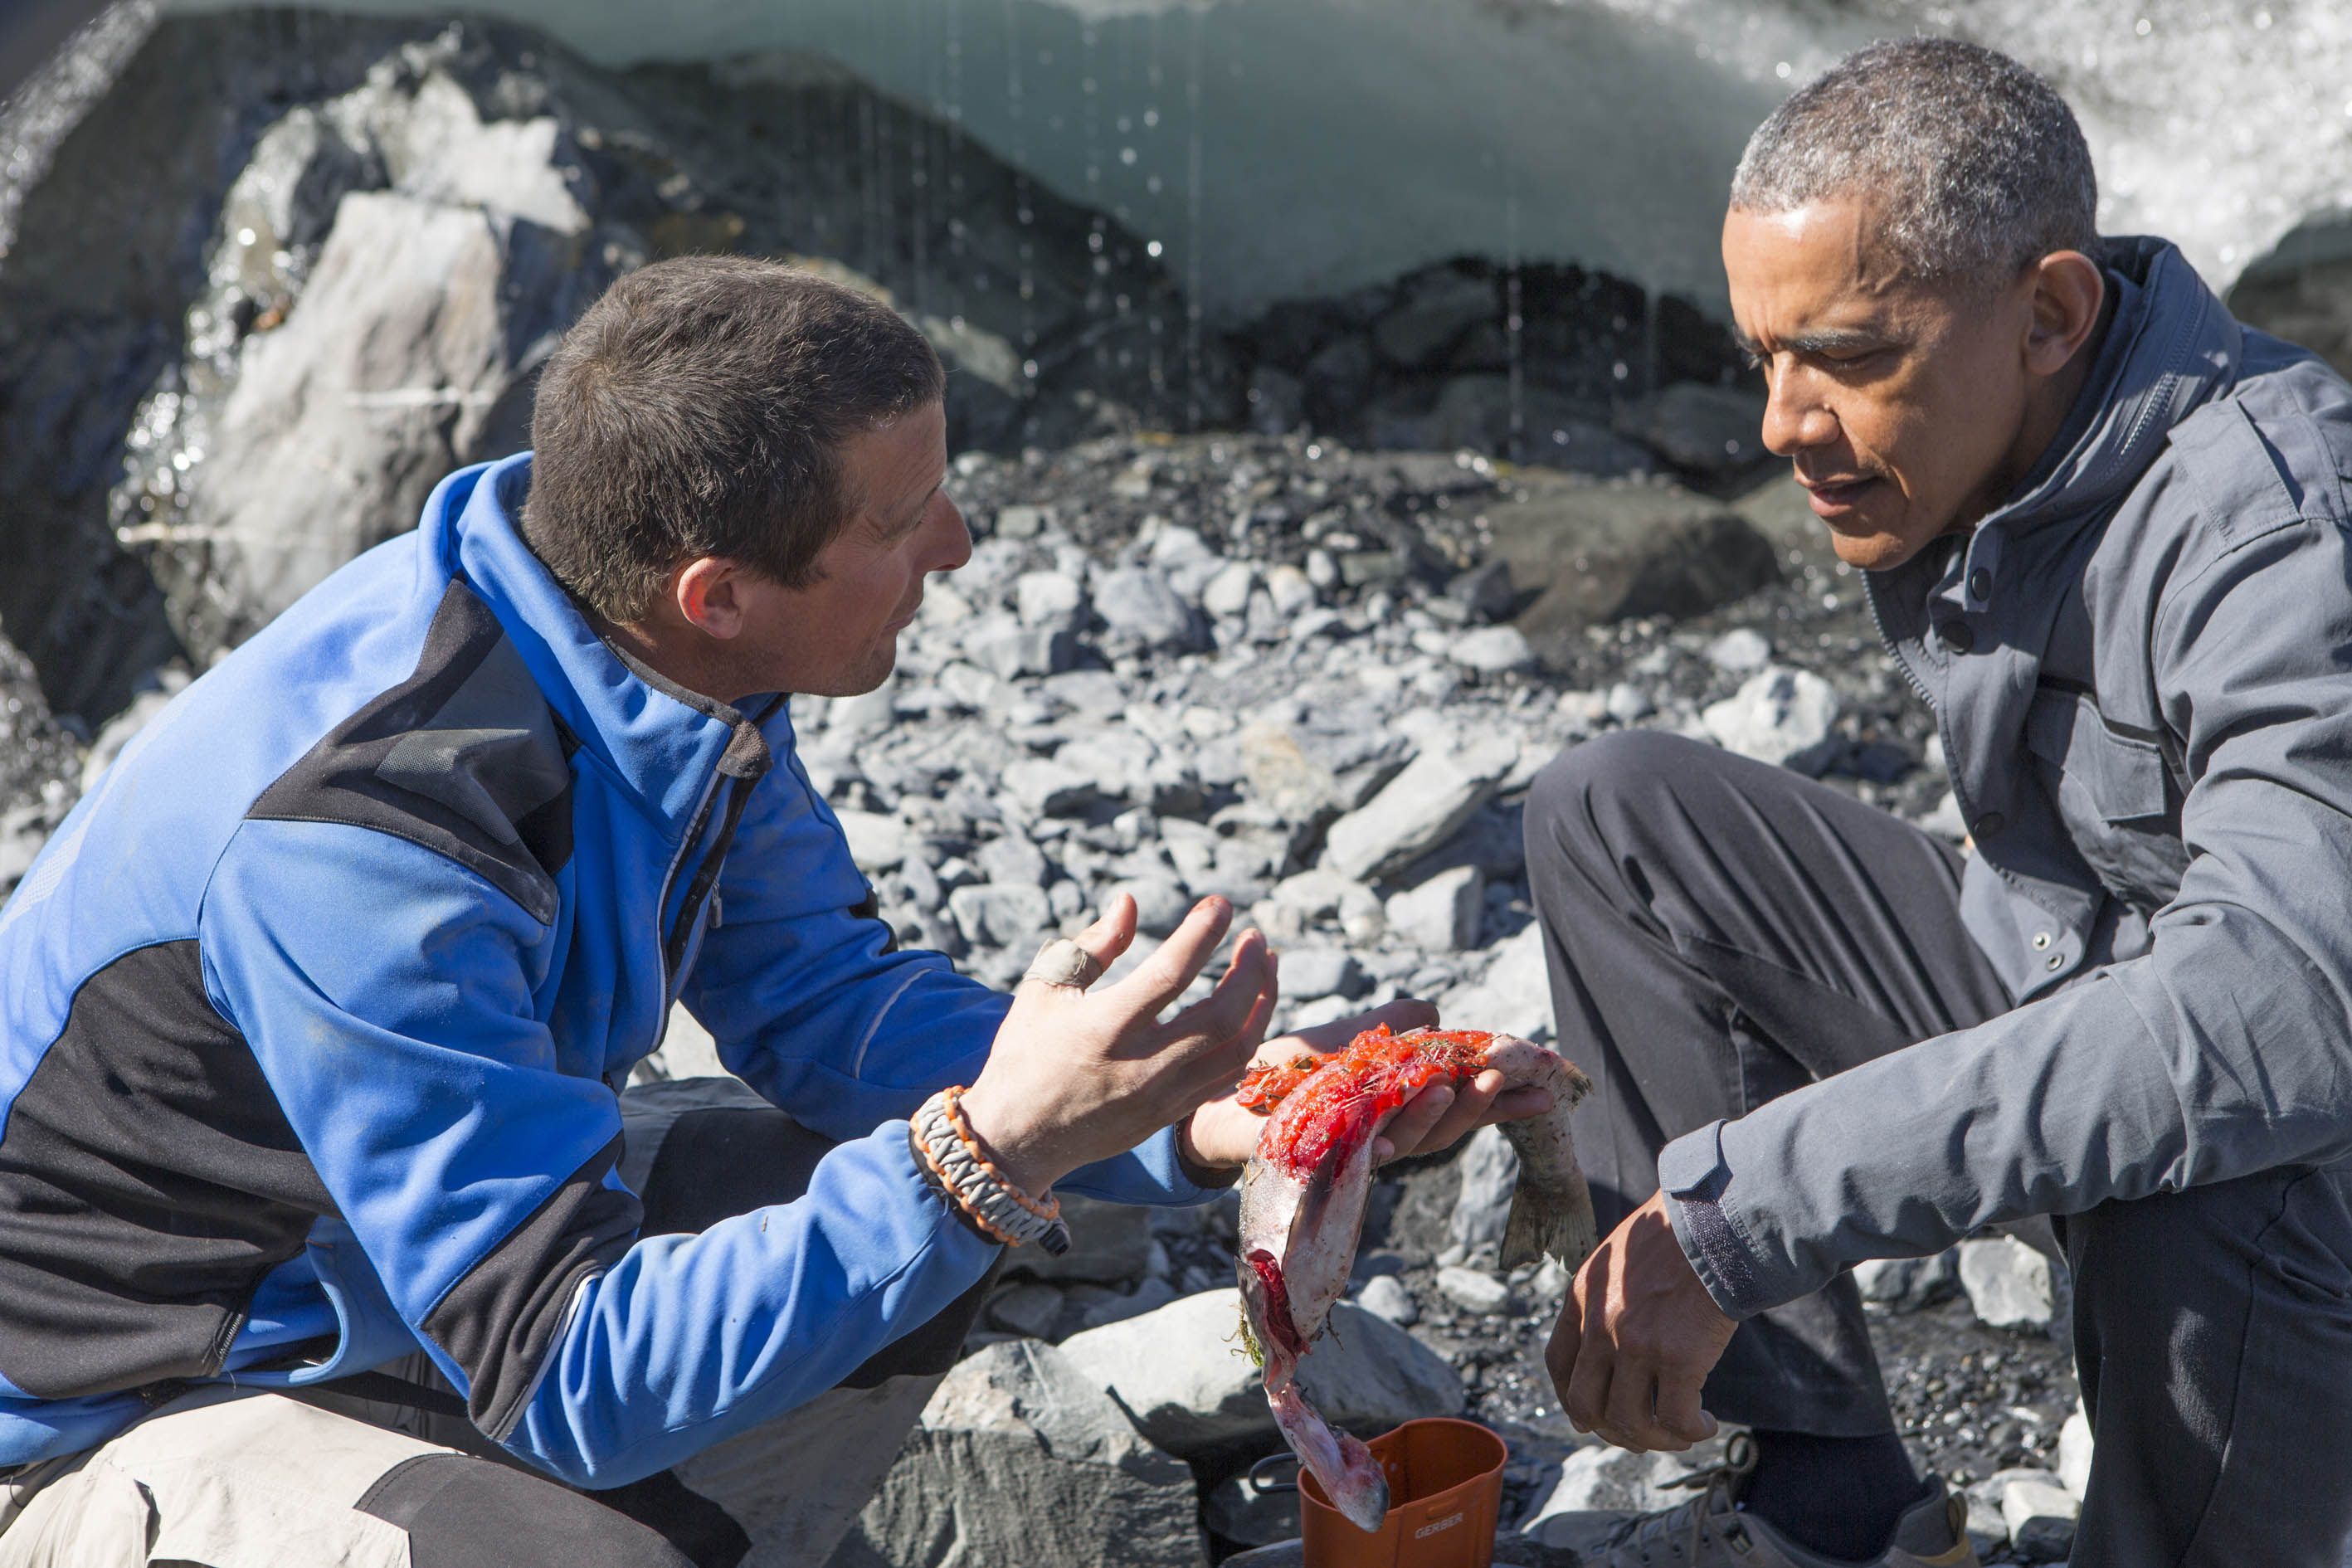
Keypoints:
pixel 1304 1192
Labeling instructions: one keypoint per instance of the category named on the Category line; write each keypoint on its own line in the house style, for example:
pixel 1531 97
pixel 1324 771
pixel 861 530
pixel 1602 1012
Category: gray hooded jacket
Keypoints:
pixel 2141 668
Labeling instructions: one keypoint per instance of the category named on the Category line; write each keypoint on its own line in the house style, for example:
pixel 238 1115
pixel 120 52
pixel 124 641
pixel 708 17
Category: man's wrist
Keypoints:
pixel 1196 1170
pixel 1010 1147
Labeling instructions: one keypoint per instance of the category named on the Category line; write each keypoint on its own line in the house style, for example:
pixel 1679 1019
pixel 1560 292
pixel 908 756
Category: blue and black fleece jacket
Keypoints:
pixel 313 1014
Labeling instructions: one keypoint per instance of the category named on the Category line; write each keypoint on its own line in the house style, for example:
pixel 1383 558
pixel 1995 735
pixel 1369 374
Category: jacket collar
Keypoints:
pixel 2170 346
pixel 660 742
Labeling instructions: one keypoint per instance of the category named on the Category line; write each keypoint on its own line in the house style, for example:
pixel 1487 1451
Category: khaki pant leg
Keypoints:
pixel 222 1478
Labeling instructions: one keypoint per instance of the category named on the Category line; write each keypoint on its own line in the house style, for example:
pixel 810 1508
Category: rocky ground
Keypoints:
pixel 1309 656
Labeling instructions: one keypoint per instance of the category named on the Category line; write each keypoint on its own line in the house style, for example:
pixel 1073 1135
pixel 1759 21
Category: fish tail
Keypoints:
pixel 1557 1220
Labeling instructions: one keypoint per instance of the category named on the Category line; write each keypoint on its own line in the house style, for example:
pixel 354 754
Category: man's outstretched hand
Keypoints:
pixel 1636 1338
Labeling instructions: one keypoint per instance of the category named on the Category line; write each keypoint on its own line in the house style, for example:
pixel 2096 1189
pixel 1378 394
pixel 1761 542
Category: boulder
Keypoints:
pixel 2012 1285
pixel 1596 1487
pixel 1020 1458
pixel 2040 1515
pixel 1419 808
pixel 1000 914
pixel 1703 429
pixel 1591 551
pixel 1310 972
pixel 1779 716
pixel 1435 310
pixel 2075 1449
pixel 1048 599
pixel 1513 996
pixel 1182 1374
pixel 1908 1284
pixel 1444 913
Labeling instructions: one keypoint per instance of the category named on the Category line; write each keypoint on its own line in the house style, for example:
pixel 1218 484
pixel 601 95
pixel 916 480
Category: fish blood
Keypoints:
pixel 1303 1205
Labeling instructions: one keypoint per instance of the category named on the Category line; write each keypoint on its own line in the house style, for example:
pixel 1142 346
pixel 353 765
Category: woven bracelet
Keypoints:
pixel 954 1162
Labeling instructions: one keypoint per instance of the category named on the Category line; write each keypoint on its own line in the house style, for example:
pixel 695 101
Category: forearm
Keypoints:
pixel 2224 1052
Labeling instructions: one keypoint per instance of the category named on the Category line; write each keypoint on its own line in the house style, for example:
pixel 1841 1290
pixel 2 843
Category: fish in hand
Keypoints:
pixel 1303 1205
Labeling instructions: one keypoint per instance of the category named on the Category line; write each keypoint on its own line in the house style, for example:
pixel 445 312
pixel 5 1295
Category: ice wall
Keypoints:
pixel 1280 148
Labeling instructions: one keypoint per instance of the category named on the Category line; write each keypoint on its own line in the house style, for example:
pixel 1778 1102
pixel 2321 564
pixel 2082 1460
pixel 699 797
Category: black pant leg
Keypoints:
pixel 1720 932
pixel 2213 1333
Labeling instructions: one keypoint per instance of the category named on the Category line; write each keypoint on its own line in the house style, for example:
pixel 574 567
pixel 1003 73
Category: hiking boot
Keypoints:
pixel 1710 1531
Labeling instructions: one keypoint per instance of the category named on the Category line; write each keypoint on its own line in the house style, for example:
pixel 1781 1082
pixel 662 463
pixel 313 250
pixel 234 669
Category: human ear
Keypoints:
pixel 2068 290
pixel 707 593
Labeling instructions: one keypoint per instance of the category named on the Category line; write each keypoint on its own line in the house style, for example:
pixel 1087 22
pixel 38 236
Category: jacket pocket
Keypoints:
pixel 2111 792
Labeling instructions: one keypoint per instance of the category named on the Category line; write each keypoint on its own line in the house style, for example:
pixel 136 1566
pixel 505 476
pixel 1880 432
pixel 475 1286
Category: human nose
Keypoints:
pixel 955 537
pixel 1795 418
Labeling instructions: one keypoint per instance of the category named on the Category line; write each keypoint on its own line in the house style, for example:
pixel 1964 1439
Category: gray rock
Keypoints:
pixel 1419 808
pixel 1598 1486
pixel 1161 902
pixel 1987 1530
pixel 1277 401
pixel 1000 914
pixel 1490 650
pixel 1628 703
pixel 1010 859
pixel 1385 1296
pixel 1437 308
pixel 1292 591
pixel 877 841
pixel 1051 599
pixel 1443 914
pixel 867 713
pixel 1281 775
pixel 118 732
pixel 1140 608
pixel 2040 1514
pixel 1741 649
pixel 1042 788
pixel 1111 1244
pixel 1023 522
pixel 1026 1309
pixel 1908 1284
pixel 1513 996
pixel 1591 551
pixel 1019 1458
pixel 2076 1451
pixel 1228 593
pixel 1781 716
pixel 1310 972
pixel 1474 1290
pixel 1180 1373
pixel 2010 1284
pixel 1706 429
pixel 1490 1176
pixel 1011 651
pixel 1148 1296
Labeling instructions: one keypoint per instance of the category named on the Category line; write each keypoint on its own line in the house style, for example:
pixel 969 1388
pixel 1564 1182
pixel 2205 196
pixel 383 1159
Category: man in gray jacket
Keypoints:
pixel 2105 530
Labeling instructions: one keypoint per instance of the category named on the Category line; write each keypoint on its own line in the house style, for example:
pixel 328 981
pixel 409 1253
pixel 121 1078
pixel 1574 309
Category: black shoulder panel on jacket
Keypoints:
pixel 499 1322
pixel 464 757
pixel 148 1182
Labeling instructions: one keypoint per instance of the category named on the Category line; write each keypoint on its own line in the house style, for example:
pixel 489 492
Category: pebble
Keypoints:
pixel 1385 1296
pixel 1474 1290
pixel 1490 650
pixel 1739 650
pixel 2040 1515
pixel 2010 1284
pixel 1781 716
pixel 1444 913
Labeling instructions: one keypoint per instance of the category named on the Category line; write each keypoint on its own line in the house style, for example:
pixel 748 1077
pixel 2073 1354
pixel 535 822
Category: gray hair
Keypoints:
pixel 1979 162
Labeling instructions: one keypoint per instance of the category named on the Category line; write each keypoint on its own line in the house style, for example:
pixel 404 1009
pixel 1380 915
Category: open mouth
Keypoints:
pixel 1833 498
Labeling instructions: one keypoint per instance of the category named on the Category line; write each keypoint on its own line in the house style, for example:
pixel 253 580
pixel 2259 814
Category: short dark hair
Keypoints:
pixel 699 407
pixel 1979 162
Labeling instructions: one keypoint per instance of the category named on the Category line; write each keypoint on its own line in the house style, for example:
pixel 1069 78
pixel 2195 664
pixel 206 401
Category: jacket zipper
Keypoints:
pixel 1886 640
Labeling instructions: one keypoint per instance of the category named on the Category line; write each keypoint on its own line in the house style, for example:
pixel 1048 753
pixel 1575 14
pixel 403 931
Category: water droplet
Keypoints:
pixel 1126 156
pixel 1151 116
pixel 1782 70
pixel 244 236
pixel 2143 26
pixel 1029 368
pixel 1620 370
pixel 1152 249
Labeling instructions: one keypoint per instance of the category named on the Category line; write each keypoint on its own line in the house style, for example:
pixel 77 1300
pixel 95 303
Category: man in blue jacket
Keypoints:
pixel 318 1009
pixel 2105 530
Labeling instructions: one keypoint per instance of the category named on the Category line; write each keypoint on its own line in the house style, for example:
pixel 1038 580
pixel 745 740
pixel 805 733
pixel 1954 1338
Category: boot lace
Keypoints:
pixel 1682 1531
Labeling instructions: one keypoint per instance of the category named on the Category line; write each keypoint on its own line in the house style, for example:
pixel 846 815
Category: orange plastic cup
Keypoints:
pixel 1445 1493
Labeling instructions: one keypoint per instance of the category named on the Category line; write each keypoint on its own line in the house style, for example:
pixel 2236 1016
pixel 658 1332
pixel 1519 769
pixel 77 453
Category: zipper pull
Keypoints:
pixel 717 911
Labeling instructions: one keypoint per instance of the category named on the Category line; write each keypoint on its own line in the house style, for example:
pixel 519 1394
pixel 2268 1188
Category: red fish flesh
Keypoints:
pixel 1303 1205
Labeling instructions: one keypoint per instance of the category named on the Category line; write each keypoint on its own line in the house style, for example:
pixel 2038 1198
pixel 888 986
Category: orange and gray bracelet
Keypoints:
pixel 951 1156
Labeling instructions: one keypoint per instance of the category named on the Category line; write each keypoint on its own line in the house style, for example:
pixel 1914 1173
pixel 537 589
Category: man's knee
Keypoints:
pixel 1577 806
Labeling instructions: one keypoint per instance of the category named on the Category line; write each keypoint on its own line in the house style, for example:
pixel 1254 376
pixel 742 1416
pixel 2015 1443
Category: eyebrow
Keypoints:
pixel 1822 340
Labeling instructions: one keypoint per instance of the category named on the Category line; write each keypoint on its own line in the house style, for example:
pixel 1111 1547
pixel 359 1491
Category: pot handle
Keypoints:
pixel 1259 1477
